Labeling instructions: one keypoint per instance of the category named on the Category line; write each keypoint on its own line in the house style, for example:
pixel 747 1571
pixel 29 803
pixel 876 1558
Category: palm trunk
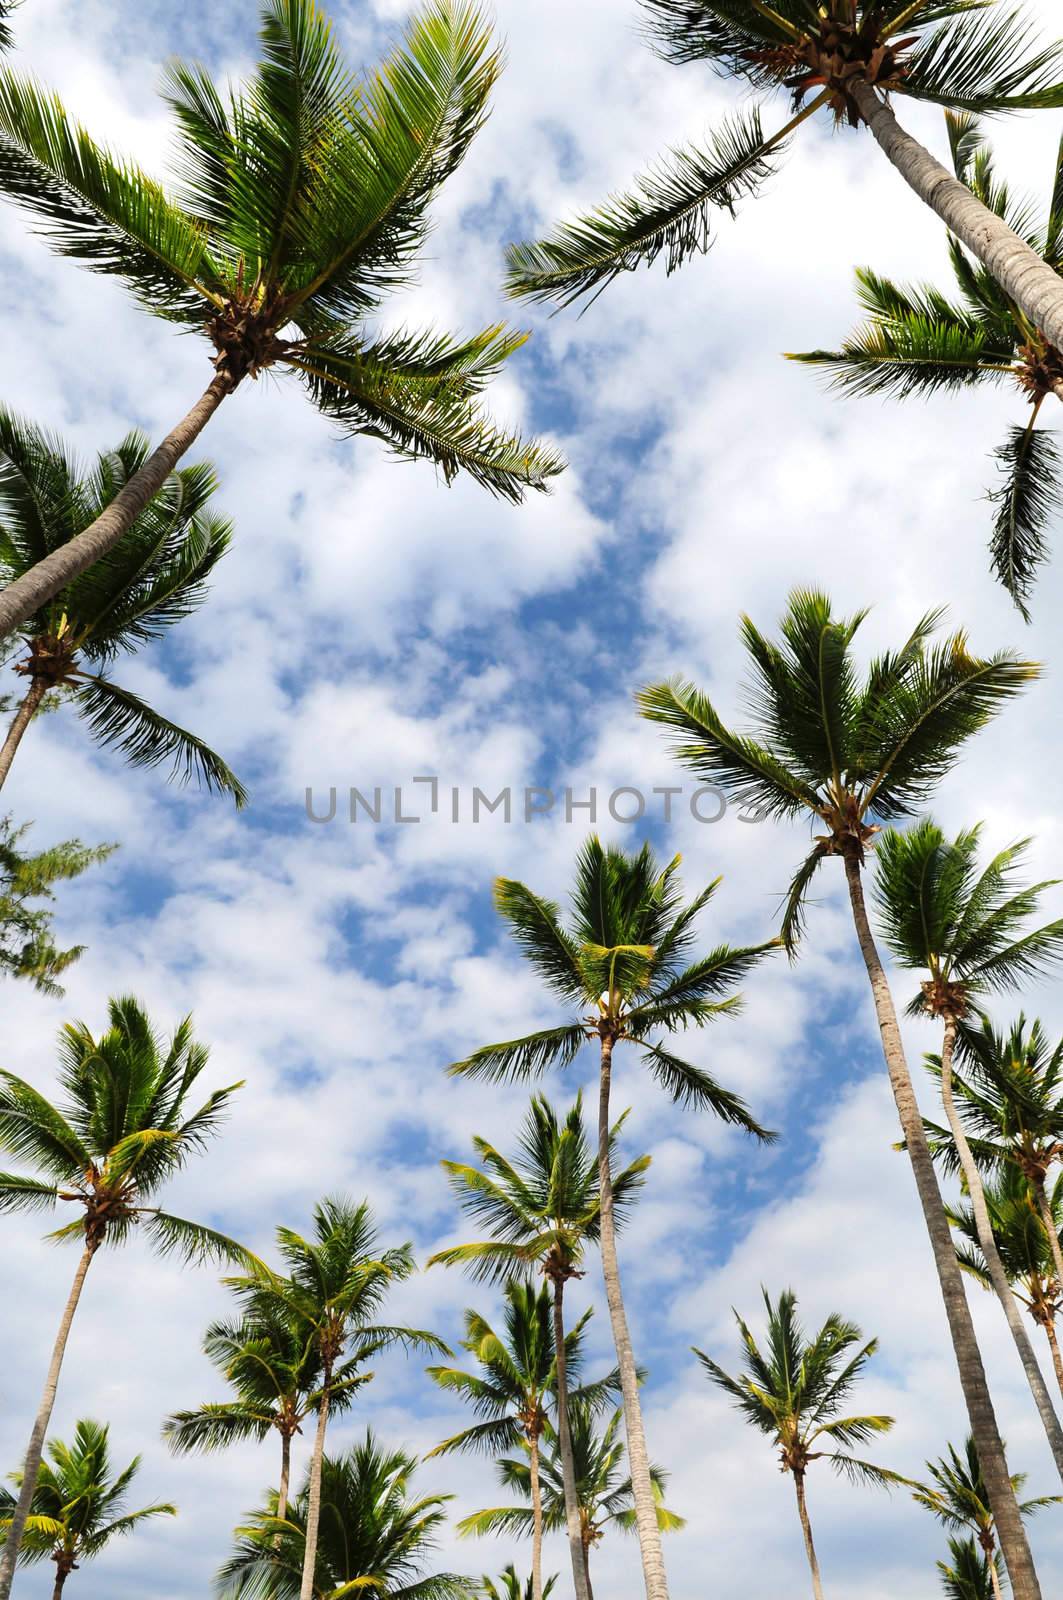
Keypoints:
pixel 282 1488
pixel 997 1276
pixel 638 1458
pixel 586 1550
pixel 61 1575
pixel 537 1518
pixel 22 719
pixel 1048 1222
pixel 806 1529
pixel 1033 285
pixel 1012 1534
pixel 564 1439
pixel 313 1506
pixel 994 1578
pixel 1053 1345
pixel 31 1466
pixel 27 594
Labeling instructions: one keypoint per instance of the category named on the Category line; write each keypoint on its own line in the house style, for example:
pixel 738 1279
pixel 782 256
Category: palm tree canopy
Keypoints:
pixel 156 576
pixel 794 1390
pixel 27 948
pixel 542 1205
pixel 1020 1238
pixel 917 341
pixel 79 1504
pixel 301 202
pixel 974 58
pixel 123 1128
pixel 851 750
pixel 509 1586
pixel 965 1576
pixel 374 1536
pixel 965 926
pixel 626 956
pixel 956 1493
pixel 603 1490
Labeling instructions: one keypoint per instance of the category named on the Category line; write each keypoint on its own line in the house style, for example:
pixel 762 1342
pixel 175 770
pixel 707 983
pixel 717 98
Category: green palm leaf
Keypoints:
pixel 1026 502
pixel 147 739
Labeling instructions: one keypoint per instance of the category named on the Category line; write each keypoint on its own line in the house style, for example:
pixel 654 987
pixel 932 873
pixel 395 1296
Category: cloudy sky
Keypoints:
pixel 371 626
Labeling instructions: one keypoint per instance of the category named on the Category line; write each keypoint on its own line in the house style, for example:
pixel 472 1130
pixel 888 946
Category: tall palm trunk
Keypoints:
pixel 282 1487
pixel 1053 1345
pixel 806 1529
pixel 638 1457
pixel 1048 1222
pixel 994 1577
pixel 1028 280
pixel 586 1549
pixel 997 1276
pixel 31 1465
pixel 537 1516
pixel 23 717
pixel 564 1439
pixel 313 1505
pixel 27 594
pixel 61 1575
pixel 983 1420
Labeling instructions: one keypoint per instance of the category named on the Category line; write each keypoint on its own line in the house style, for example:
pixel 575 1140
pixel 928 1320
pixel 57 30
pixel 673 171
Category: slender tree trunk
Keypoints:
pixel 564 1439
pixel 23 717
pixel 1034 286
pixel 1048 1222
pixel 31 1465
pixel 61 1575
pixel 586 1549
pixel 638 1457
pixel 997 1276
pixel 27 594
pixel 537 1518
pixel 994 1578
pixel 1053 1345
pixel 282 1488
pixel 313 1506
pixel 983 1420
pixel 806 1529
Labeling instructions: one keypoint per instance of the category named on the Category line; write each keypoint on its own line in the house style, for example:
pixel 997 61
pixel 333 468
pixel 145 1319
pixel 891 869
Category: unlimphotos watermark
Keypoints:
pixel 469 803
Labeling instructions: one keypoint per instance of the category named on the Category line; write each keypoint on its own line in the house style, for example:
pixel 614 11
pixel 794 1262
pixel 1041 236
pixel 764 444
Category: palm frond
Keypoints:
pixel 147 739
pixel 1027 501
pixel 519 1059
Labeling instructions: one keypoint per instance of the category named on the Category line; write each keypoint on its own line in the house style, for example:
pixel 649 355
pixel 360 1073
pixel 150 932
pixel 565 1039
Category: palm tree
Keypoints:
pixel 373 1536
pixel 855 55
pixel 603 1496
pixel 153 578
pixel 336 1284
pixel 844 752
pixel 970 1576
pixel 27 948
pixel 967 929
pixel 123 1128
pixel 542 1208
pixel 509 1586
pixel 918 341
pixel 79 1504
pixel 956 1495
pixel 620 970
pixel 794 1392
pixel 1019 1237
pixel 301 201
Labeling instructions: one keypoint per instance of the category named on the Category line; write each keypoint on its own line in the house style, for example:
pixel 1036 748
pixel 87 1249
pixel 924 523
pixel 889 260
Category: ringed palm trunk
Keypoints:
pixel 997 1276
pixel 1028 280
pixel 1012 1534
pixel 806 1529
pixel 313 1505
pixel 27 594
pixel 23 717
pixel 638 1458
pixel 564 1439
pixel 31 1465
pixel 537 1516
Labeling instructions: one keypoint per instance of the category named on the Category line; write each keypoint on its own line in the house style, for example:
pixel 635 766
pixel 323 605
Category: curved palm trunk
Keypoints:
pixel 1033 285
pixel 537 1518
pixel 31 1465
pixel 23 717
pixel 313 1507
pixel 564 1439
pixel 997 1276
pixel 1048 1222
pixel 806 1529
pixel 638 1457
pixel 27 594
pixel 1053 1345
pixel 1012 1534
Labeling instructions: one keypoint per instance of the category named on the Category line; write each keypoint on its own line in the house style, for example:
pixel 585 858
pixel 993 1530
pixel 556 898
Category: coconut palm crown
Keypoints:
pixel 27 886
pixel 919 341
pixel 155 577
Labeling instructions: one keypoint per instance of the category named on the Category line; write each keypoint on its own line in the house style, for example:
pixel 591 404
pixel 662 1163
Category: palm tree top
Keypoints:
pixel 509 1586
pixel 956 1493
pixel 123 1128
pixel 795 1388
pixel 965 926
pixel 27 878
pixel 301 202
pixel 541 1205
pixel 850 749
pixel 1020 1238
pixel 625 955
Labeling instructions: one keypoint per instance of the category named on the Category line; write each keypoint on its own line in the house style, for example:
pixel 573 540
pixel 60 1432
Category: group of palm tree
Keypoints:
pixel 300 202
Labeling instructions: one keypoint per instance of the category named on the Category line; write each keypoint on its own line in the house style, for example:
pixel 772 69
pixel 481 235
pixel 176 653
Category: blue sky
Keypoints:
pixel 371 625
